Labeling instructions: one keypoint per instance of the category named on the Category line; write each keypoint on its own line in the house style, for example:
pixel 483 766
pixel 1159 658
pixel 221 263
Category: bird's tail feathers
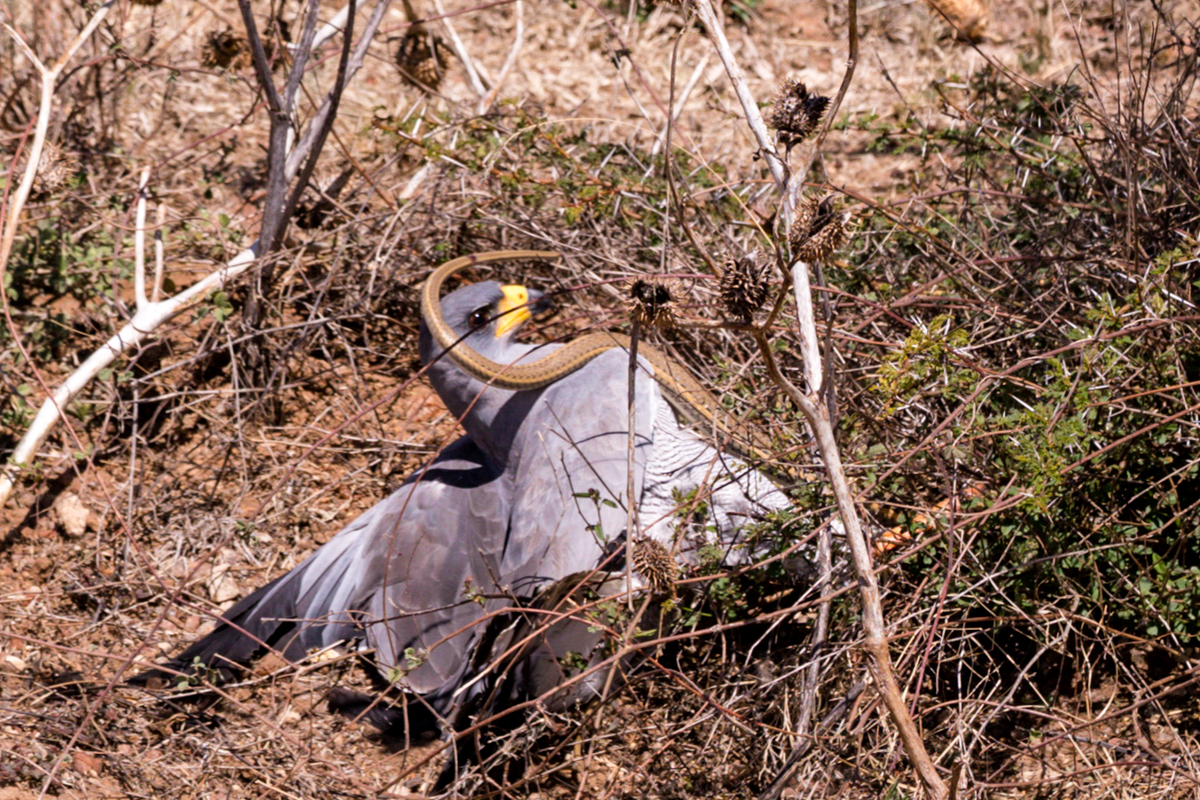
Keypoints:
pixel 288 615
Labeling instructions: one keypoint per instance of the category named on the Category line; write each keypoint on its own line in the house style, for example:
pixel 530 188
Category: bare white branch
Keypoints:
pixel 139 245
pixel 514 51
pixel 818 417
pixel 160 220
pixel 754 118
pixel 806 321
pixel 461 51
pixel 147 319
pixel 49 77
pixel 331 28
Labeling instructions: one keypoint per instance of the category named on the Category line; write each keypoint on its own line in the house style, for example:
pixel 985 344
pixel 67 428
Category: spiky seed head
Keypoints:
pixel 743 287
pixel 819 230
pixel 828 239
pixel 428 72
pixel 421 58
pixel 802 222
pixel 795 114
pixel 55 169
pixel 653 562
pixel 225 50
pixel 652 304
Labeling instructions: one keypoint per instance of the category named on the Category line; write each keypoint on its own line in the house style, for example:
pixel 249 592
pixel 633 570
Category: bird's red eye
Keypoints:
pixel 479 318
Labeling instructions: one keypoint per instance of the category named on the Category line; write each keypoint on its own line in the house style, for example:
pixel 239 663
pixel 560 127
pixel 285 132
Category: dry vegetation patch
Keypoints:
pixel 1014 324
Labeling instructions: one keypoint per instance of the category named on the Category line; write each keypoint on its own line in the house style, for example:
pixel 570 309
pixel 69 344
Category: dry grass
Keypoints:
pixel 201 484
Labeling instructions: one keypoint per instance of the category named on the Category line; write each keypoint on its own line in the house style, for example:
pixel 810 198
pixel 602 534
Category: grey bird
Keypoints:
pixel 532 494
pixel 565 449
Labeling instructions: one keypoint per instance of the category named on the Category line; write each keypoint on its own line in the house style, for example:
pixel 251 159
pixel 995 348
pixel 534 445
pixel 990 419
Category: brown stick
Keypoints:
pixel 817 414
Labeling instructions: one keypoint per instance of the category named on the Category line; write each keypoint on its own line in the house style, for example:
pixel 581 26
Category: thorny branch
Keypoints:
pixel 817 413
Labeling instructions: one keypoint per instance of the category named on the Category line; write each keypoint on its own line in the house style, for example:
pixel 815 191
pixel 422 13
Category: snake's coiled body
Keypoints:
pixel 685 394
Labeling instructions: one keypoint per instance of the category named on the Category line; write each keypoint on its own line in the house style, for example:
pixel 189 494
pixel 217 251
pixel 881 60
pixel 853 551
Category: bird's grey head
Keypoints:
pixel 484 316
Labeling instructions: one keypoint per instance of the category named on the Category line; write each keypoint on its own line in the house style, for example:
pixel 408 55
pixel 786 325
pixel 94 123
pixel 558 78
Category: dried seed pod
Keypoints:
pixel 818 231
pixel 421 58
pixel 225 50
pixel 743 287
pixel 795 114
pixel 970 17
pixel 653 562
pixel 55 169
pixel 652 304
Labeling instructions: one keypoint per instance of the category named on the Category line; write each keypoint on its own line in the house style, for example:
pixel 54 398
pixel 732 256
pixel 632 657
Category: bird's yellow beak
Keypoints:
pixel 513 309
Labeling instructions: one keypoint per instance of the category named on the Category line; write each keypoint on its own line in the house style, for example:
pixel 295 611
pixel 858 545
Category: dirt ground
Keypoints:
pixel 176 502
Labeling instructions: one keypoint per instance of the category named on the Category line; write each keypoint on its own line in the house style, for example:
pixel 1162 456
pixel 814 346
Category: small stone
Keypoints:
pixel 222 586
pixel 72 514
pixel 269 663
pixel 326 655
pixel 86 763
pixel 970 17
